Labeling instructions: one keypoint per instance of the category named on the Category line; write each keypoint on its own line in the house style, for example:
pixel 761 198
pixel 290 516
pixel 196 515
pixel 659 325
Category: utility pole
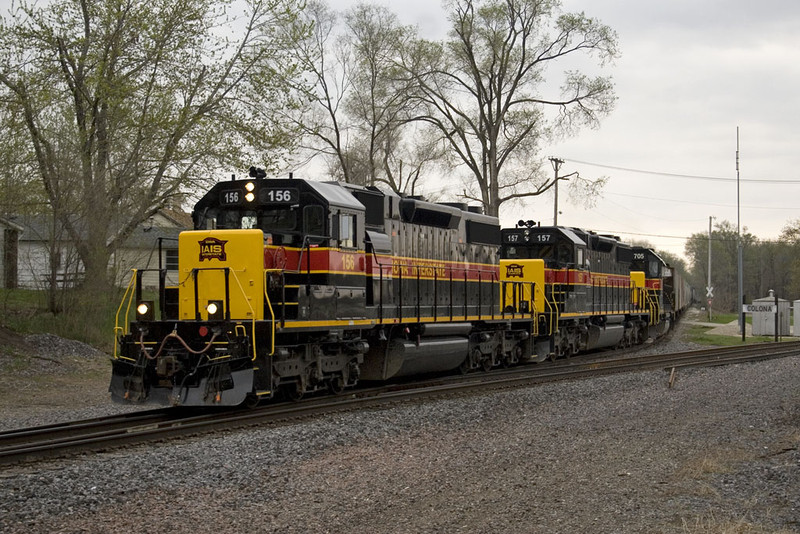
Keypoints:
pixel 556 164
pixel 709 288
pixel 739 242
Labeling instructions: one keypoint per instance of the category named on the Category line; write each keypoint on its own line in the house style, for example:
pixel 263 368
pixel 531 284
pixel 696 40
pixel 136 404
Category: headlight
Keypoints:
pixel 144 311
pixel 215 310
pixel 250 186
pixel 250 197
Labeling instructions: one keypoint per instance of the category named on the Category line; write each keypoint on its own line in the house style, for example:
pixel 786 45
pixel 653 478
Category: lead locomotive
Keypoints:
pixel 297 286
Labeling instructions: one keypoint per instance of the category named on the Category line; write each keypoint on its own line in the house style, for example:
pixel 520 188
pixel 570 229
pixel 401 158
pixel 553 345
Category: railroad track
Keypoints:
pixel 133 428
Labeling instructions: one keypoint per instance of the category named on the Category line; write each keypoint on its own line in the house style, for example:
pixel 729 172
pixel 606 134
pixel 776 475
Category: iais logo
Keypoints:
pixel 514 270
pixel 212 248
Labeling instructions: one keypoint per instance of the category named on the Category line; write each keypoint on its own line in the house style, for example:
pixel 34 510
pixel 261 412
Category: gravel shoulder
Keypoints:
pixel 717 452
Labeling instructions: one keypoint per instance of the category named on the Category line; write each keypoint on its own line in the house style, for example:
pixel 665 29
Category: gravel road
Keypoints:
pixel 716 453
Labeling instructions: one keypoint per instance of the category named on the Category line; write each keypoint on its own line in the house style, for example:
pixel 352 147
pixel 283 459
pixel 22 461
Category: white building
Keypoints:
pixel 44 251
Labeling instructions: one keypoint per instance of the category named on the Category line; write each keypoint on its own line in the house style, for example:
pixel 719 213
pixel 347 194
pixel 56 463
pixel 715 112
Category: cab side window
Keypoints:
pixel 314 220
pixel 347 230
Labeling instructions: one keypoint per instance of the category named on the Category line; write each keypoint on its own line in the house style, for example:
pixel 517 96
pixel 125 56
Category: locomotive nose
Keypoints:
pixel 222 275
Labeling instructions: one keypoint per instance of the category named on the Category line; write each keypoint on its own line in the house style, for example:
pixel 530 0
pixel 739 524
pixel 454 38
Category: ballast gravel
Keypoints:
pixel 716 452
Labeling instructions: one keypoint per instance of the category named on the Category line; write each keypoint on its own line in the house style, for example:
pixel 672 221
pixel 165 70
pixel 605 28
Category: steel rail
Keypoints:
pixel 139 427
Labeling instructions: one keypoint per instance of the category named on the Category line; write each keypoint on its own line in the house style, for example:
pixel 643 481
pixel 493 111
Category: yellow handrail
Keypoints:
pixel 653 306
pixel 252 313
pixel 117 327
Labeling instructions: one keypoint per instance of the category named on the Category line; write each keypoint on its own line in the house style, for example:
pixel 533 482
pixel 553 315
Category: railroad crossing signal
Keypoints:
pixel 710 292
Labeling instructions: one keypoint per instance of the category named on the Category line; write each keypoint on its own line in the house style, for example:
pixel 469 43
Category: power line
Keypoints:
pixel 700 203
pixel 673 175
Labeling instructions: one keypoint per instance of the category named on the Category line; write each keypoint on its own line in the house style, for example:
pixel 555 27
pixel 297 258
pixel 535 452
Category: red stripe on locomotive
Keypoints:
pixel 320 259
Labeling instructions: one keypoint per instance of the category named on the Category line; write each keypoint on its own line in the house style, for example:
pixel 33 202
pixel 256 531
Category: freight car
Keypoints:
pixel 290 286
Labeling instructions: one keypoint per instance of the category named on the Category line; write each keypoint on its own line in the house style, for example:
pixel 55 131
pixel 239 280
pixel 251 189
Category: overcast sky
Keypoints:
pixel 689 74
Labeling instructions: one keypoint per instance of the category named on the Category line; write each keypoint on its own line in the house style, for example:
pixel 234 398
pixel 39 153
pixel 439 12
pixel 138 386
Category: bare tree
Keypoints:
pixel 483 89
pixel 382 100
pixel 363 108
pixel 128 104
pixel 329 64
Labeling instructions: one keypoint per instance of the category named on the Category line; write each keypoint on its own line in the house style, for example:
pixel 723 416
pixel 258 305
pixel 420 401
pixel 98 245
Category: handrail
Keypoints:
pixel 252 313
pixel 269 306
pixel 554 311
pixel 117 327
pixel 652 305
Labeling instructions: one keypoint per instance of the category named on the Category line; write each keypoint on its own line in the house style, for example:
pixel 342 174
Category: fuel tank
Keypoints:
pixel 604 336
pixel 402 357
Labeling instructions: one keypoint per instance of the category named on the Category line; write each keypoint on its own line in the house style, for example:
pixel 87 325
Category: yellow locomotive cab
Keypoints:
pixel 221 275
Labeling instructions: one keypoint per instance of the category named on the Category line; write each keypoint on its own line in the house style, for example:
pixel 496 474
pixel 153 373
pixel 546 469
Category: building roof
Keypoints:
pixel 38 228
pixel 9 224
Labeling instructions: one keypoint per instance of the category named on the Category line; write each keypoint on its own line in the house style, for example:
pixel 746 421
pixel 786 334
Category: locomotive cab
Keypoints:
pixel 278 213
pixel 647 261
pixel 560 248
pixel 657 281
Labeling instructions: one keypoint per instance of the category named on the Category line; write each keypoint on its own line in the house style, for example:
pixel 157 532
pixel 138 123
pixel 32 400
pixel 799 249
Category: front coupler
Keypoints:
pixel 184 364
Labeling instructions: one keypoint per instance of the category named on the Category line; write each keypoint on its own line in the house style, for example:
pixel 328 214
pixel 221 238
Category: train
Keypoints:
pixel 287 287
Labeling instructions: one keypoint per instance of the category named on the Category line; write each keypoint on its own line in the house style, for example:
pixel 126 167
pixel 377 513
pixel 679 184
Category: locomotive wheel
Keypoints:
pixel 470 362
pixel 251 400
pixel 504 358
pixel 486 364
pixel 294 392
pixel 336 385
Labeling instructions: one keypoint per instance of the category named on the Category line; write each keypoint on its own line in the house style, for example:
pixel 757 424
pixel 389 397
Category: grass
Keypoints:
pixel 90 320
pixel 699 334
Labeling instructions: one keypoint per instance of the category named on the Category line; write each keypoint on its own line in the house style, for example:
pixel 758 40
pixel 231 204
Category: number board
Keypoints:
pixel 279 195
pixel 521 237
pixel 231 197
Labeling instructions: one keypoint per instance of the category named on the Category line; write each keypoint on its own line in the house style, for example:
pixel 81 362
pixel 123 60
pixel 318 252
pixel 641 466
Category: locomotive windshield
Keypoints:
pixel 647 261
pixel 553 254
pixel 268 220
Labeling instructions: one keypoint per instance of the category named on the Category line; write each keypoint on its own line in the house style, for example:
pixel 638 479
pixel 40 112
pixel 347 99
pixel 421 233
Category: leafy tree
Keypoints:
pixel 127 105
pixel 790 245
pixel 724 264
pixel 19 192
pixel 484 89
